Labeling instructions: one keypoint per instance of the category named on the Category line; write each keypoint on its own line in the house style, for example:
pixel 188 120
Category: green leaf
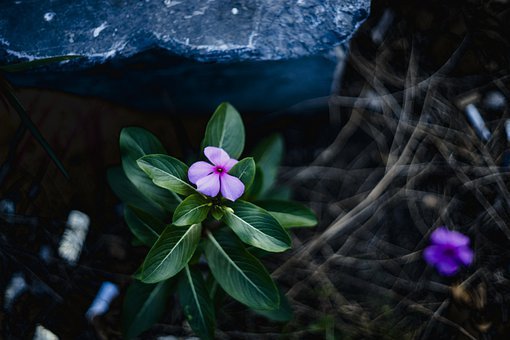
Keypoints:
pixel 125 190
pixel 289 214
pixel 225 130
pixel 217 212
pixel 171 252
pixel 196 303
pixel 212 286
pixel 239 273
pixel 283 313
pixel 138 273
pixel 256 187
pixel 135 143
pixel 268 155
pixel 144 305
pixel 258 253
pixel 27 65
pixel 216 293
pixel 8 92
pixel 257 227
pixel 194 209
pixel 145 227
pixel 245 171
pixel 167 172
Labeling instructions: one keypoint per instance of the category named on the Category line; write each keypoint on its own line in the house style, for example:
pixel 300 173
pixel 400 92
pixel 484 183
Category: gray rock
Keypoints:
pixel 156 81
pixel 204 30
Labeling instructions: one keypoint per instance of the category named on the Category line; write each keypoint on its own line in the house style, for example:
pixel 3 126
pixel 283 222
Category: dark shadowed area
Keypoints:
pixel 378 144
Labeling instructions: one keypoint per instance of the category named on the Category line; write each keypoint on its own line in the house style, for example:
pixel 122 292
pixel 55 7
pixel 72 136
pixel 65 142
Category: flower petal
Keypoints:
pixel 199 170
pixel 447 267
pixel 217 156
pixel 433 254
pixel 209 185
pixel 444 236
pixel 440 236
pixel 458 240
pixel 465 255
pixel 231 162
pixel 231 187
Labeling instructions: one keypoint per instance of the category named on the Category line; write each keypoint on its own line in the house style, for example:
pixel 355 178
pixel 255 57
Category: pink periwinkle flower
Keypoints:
pixel 448 251
pixel 210 179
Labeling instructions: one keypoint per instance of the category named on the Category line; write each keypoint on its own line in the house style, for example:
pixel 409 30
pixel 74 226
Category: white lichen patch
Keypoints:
pixel 171 3
pixel 49 16
pixel 96 31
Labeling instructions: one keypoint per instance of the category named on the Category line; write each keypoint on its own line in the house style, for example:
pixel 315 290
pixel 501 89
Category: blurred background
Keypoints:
pixel 378 143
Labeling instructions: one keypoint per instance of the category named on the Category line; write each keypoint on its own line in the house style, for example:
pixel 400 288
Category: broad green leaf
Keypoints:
pixel 138 273
pixel 245 171
pixel 256 187
pixel 144 305
pixel 289 214
pixel 258 253
pixel 167 172
pixel 193 209
pixel 239 273
pixel 129 194
pixel 212 286
pixel 225 130
pixel 7 92
pixel 27 65
pixel 135 143
pixel 268 155
pixel 171 252
pixel 256 227
pixel 216 293
pixel 196 303
pixel 145 227
pixel 217 212
pixel 283 313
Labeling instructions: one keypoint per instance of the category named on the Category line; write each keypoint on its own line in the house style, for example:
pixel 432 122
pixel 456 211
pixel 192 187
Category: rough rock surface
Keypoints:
pixel 204 30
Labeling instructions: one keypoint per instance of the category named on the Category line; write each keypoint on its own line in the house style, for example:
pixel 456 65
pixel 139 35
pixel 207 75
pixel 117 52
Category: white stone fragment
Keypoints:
pixel 507 129
pixel 16 287
pixel 495 100
pixel 107 292
pixel 74 236
pixel 42 333
pixel 477 122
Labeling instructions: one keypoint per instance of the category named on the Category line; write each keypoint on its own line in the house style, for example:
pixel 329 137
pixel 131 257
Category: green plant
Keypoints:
pixel 214 221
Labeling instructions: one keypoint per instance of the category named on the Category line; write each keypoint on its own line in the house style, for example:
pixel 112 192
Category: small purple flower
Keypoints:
pixel 213 178
pixel 448 251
